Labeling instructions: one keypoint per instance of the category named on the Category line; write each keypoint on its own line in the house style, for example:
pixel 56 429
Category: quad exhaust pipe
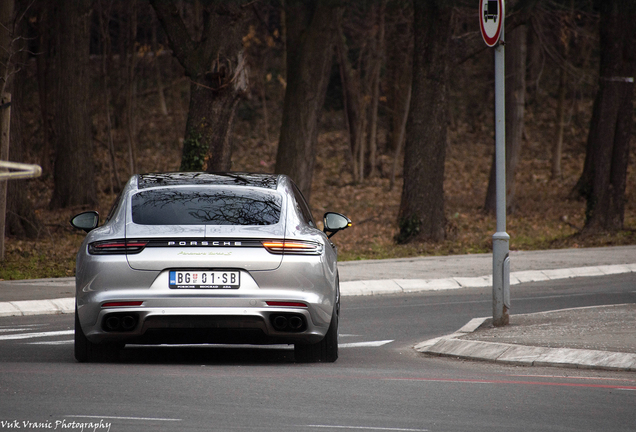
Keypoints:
pixel 288 322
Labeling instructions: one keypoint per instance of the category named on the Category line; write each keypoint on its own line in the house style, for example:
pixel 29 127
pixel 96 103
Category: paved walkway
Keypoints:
pixel 600 337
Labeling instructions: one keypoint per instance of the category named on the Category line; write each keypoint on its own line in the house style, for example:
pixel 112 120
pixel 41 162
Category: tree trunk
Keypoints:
pixel 157 67
pixel 361 86
pixel 611 130
pixel 421 215
pixel 209 130
pixel 377 56
pixel 516 47
pixel 20 215
pixel 131 85
pixel 6 70
pixel 46 81
pixel 398 70
pixel 310 31
pixel 535 62
pixel 353 100
pixel 104 19
pixel 400 139
pixel 74 170
pixel 557 149
pixel 264 102
pixel 217 69
pixel 21 220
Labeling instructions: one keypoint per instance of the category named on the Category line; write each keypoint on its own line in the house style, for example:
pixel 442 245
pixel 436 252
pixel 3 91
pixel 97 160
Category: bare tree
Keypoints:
pixel 361 84
pixel 421 215
pixel 157 67
pixel 398 77
pixel 74 170
pixel 604 175
pixel 309 33
pixel 21 220
pixel 399 37
pixel 376 61
pixel 557 149
pixel 131 84
pixel 104 18
pixel 6 70
pixel 45 61
pixel 216 66
pixel 354 103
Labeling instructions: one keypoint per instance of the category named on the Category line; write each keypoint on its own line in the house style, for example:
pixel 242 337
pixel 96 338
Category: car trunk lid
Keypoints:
pixel 204 247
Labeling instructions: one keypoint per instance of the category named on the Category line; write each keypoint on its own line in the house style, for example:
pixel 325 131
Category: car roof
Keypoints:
pixel 269 181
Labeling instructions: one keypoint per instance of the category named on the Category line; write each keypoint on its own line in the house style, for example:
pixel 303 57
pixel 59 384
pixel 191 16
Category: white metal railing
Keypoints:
pixel 15 170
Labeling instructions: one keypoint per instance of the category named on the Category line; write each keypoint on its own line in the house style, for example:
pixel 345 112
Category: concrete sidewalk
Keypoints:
pixel 533 339
pixel 599 337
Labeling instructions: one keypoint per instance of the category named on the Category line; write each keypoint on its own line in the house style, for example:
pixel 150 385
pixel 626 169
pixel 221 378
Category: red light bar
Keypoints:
pixel 122 304
pixel 287 304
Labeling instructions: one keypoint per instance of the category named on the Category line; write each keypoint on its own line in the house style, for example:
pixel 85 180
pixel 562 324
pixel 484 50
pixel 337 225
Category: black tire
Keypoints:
pixel 87 351
pixel 324 351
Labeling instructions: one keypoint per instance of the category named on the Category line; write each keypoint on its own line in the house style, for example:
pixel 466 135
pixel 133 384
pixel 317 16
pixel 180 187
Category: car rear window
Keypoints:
pixel 185 206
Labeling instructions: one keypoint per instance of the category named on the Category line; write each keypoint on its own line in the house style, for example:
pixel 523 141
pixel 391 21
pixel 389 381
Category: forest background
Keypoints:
pixel 105 87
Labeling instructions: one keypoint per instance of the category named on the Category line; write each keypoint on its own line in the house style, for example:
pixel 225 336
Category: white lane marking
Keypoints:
pixel 37 335
pixel 64 342
pixel 125 418
pixel 268 347
pixel 365 344
pixel 9 330
pixel 21 328
pixel 70 332
pixel 365 428
pixel 25 325
pixel 211 345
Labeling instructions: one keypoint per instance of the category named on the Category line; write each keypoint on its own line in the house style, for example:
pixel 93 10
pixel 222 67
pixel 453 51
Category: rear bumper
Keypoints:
pixel 240 315
pixel 253 322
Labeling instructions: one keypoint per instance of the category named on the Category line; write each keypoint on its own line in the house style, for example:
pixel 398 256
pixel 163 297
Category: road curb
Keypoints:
pixel 38 307
pixel 522 355
pixel 396 286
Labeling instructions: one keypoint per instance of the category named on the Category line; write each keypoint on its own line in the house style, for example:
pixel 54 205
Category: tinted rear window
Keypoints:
pixel 205 207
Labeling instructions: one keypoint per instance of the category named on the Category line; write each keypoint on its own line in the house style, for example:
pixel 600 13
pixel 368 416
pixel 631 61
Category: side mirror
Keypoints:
pixel 86 221
pixel 334 222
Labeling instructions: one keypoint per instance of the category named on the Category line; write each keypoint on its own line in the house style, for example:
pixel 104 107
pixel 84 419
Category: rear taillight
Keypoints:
pixel 115 247
pixel 286 304
pixel 293 247
pixel 122 304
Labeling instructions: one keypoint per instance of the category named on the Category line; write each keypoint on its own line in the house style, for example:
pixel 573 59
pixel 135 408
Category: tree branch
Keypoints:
pixel 180 41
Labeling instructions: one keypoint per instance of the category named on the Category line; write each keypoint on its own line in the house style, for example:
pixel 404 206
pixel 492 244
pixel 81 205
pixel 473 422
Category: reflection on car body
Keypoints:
pixel 208 258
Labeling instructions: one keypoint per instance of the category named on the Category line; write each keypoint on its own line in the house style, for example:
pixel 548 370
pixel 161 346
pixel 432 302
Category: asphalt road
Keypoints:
pixel 378 384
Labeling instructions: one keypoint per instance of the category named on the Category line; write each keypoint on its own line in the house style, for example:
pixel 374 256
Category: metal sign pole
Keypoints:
pixel 500 240
pixel 492 14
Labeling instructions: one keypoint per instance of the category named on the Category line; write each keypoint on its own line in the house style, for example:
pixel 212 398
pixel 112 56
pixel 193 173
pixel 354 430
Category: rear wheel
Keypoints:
pixel 87 351
pixel 324 351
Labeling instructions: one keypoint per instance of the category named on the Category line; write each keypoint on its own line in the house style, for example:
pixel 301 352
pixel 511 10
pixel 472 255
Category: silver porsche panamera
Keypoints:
pixel 189 258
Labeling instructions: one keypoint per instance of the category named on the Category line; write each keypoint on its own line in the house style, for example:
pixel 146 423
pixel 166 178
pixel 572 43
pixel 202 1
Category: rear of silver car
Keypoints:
pixel 156 282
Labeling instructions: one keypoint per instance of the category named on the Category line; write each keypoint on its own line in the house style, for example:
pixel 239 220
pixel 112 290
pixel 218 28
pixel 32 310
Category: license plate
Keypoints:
pixel 218 279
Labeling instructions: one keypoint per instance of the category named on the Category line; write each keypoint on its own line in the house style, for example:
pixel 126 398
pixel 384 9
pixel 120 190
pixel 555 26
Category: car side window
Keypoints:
pixel 115 207
pixel 302 207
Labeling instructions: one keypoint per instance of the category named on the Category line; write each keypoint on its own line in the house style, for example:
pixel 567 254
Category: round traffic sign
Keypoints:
pixel 491 18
